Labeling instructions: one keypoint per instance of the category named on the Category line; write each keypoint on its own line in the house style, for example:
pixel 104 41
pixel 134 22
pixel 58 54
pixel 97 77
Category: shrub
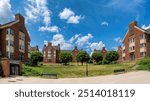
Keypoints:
pixel 144 61
pixel 97 57
pixel 104 61
pixel 65 58
pixel 30 72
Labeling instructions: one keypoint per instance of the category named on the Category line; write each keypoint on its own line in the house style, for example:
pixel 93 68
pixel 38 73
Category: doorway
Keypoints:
pixel 14 69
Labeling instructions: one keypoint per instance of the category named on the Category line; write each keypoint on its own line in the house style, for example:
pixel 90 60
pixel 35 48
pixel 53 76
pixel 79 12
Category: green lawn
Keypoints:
pixel 74 70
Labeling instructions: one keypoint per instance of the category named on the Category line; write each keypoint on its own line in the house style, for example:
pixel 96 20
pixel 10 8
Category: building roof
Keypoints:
pixel 8 24
pixel 146 31
pixel 66 51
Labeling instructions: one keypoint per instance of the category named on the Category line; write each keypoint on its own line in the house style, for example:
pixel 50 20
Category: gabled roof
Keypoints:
pixel 66 51
pixel 147 31
pixel 9 24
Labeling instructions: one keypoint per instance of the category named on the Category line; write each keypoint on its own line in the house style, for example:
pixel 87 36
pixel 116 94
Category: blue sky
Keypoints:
pixel 88 24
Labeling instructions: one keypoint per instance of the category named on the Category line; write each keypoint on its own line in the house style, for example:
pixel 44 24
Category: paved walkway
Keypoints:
pixel 137 77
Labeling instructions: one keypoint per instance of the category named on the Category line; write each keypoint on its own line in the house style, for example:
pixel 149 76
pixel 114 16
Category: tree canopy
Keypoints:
pixel 112 56
pixel 83 56
pixel 97 57
pixel 65 57
pixel 36 57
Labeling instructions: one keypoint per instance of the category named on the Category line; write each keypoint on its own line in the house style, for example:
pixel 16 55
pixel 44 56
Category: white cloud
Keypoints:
pixel 66 13
pixel 146 27
pixel 118 39
pixel 49 28
pixel 5 11
pixel 69 15
pixel 38 10
pixel 125 5
pixel 59 39
pixel 105 23
pixel 96 45
pixel 75 37
pixel 84 39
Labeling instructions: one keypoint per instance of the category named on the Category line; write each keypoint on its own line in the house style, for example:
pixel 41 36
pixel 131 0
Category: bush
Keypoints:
pixel 144 61
pixel 30 72
pixel 104 61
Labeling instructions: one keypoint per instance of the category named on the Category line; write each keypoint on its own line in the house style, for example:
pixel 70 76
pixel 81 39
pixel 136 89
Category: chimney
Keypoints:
pixel 76 47
pixel 49 43
pixel 20 18
pixel 132 24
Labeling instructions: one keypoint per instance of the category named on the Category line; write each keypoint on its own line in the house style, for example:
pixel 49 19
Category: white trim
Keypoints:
pixel 125 35
pixel 140 29
pixel 8 25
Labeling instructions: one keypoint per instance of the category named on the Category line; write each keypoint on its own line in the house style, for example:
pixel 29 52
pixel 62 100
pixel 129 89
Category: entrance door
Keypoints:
pixel 14 70
pixel 132 56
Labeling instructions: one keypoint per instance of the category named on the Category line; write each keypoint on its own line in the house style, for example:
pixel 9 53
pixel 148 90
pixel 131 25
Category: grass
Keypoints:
pixel 74 70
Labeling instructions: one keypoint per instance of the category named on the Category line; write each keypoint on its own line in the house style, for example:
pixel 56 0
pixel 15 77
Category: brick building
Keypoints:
pixel 119 51
pixel 14 44
pixel 103 51
pixel 51 54
pixel 73 52
pixel 136 43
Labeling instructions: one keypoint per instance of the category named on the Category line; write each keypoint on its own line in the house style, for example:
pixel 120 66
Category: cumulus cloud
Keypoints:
pixel 37 10
pixel 96 45
pixel 125 5
pixel 59 39
pixel 49 28
pixel 69 15
pixel 105 23
pixel 84 39
pixel 146 27
pixel 118 39
pixel 5 11
pixel 75 37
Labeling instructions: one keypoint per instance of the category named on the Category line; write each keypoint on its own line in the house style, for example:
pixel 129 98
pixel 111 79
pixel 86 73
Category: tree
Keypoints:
pixel 83 56
pixel 65 57
pixel 112 56
pixel 36 57
pixel 97 57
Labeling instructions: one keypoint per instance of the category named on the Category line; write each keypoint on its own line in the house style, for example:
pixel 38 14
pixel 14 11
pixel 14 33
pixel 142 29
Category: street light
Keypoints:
pixel 86 69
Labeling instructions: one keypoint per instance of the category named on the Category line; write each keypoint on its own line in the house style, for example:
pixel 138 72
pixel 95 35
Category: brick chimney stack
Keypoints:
pixel 20 18
pixel 132 24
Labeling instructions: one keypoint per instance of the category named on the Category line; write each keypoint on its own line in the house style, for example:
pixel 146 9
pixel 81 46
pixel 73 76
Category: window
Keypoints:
pixel 142 54
pixel 10 43
pixel 21 47
pixel 21 37
pixel 131 40
pixel 142 45
pixel 142 36
pixel 21 57
pixel 10 31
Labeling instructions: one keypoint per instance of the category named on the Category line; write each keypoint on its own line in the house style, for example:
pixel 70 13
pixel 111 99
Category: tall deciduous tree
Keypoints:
pixel 65 57
pixel 112 56
pixel 83 56
pixel 36 57
pixel 97 57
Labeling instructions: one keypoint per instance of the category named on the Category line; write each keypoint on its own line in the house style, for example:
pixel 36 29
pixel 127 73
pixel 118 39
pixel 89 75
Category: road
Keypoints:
pixel 136 77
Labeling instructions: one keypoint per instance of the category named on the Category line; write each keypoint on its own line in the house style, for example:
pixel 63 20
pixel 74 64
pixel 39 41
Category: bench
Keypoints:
pixel 118 71
pixel 51 76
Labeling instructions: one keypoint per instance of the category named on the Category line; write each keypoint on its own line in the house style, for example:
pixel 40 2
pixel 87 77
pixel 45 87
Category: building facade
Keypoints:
pixel 51 54
pixel 14 42
pixel 103 51
pixel 73 52
pixel 119 51
pixel 136 43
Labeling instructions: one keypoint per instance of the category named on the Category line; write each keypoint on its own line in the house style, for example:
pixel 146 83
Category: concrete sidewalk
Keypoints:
pixel 136 77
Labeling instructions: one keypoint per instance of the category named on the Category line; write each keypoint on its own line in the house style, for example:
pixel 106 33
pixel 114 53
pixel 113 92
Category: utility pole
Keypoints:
pixel 86 69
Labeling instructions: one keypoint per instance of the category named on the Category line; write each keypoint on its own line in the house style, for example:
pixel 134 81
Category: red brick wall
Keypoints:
pixel 6 67
pixel 136 35
pixel 16 27
pixel 74 54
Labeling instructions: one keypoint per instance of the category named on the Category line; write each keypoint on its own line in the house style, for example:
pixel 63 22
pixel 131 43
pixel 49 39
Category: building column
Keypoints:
pixel 6 66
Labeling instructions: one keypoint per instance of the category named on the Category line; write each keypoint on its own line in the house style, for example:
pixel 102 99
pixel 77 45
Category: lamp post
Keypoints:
pixel 86 69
